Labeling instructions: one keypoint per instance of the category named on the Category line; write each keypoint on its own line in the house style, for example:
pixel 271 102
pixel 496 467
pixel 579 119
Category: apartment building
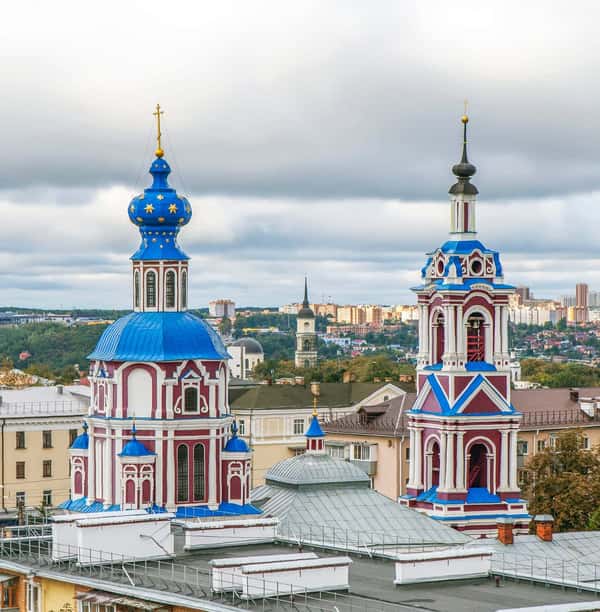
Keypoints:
pixel 37 427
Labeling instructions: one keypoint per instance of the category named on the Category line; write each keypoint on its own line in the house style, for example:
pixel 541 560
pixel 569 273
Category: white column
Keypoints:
pixel 118 480
pixel 451 326
pixel 497 332
pixel 212 412
pixel 212 470
pixel 504 311
pixel 418 459
pixel 442 476
pixel 411 465
pixel 450 461
pixel 460 460
pixel 460 334
pixel 513 461
pixel 91 467
pixel 158 465
pixel 504 461
pixel 171 475
pixel 108 468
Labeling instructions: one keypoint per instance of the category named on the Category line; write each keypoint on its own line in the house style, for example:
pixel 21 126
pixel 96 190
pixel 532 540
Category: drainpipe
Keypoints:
pixel 3 462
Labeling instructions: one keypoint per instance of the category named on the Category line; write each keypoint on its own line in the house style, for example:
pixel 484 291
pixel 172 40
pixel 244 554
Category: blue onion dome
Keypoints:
pixel 82 441
pixel 314 429
pixel 235 444
pixel 159 213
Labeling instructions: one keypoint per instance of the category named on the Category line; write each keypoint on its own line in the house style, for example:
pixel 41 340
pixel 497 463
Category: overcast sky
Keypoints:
pixel 311 137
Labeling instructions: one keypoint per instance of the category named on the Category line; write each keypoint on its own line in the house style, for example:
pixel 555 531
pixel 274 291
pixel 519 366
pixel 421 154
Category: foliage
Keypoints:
pixel 225 326
pixel 564 481
pixel 54 348
pixel 360 369
pixel 550 374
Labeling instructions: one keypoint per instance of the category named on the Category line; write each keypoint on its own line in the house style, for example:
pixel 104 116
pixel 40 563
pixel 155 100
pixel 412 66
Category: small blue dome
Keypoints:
pixel 81 442
pixel 159 213
pixel 314 429
pixel 236 445
pixel 134 448
pixel 159 336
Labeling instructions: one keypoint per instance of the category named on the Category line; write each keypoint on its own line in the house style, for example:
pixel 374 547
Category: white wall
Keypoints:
pixel 438 565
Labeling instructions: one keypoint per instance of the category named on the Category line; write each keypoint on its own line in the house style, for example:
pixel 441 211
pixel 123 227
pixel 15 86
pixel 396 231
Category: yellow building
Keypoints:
pixel 273 418
pixel 37 426
pixel 375 439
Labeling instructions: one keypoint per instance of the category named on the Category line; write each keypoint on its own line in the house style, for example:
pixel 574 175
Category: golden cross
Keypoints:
pixel 159 152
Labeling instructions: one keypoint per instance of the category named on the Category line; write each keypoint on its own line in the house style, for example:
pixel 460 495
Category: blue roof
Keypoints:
pixel 224 509
pixel 236 445
pixel 159 213
pixel 81 442
pixel 134 448
pixel 475 495
pixel 314 429
pixel 466 285
pixel 81 505
pixel 463 247
pixel 159 336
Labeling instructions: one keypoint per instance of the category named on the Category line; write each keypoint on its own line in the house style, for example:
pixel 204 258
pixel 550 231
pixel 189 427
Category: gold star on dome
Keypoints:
pixel 160 196
pixel 181 220
pixel 173 208
pixel 139 219
pixel 149 208
pixel 131 209
pixel 161 219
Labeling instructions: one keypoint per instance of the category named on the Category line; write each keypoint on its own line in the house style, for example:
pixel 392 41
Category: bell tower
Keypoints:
pixel 463 426
pixel 306 335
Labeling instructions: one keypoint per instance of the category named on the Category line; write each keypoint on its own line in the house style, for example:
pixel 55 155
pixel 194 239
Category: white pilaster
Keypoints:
pixel 411 465
pixel 108 468
pixel 497 333
pixel 171 476
pixel 91 475
pixel 212 471
pixel 119 499
pixel 504 461
pixel 460 334
pixel 450 461
pixel 513 461
pixel 443 451
pixel 460 460
pixel 418 458
pixel 158 465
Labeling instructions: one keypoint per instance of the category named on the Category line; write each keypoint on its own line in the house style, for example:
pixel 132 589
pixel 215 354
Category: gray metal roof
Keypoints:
pixel 350 517
pixel 309 469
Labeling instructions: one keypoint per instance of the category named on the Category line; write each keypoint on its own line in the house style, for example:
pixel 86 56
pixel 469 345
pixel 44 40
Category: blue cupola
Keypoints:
pixel 134 448
pixel 235 444
pixel 315 436
pixel 82 441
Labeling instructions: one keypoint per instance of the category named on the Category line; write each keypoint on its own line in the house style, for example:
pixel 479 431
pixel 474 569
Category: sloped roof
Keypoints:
pixel 300 396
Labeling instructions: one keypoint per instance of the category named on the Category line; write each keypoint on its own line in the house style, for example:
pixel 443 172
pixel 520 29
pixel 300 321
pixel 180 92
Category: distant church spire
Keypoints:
pixel 306 335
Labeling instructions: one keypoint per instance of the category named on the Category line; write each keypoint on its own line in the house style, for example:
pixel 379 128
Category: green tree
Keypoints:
pixel 565 482
pixel 225 326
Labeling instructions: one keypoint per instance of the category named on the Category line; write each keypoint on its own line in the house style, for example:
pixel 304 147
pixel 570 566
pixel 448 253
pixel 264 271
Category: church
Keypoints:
pixel 159 434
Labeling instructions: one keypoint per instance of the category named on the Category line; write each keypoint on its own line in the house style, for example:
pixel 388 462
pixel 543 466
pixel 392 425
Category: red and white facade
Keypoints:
pixel 463 427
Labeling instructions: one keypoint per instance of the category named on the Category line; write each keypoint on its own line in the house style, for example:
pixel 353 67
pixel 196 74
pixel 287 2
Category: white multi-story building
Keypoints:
pixel 222 308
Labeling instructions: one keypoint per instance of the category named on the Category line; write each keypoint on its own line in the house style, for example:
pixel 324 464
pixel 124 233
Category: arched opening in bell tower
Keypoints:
pixel 435 465
pixel 478 460
pixel 438 338
pixel 476 337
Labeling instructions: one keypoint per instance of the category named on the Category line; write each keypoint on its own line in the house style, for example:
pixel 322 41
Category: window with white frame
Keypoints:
pixel 361 452
pixel 190 399
pixel 86 606
pixel 298 426
pixel 151 289
pixel 242 427
pixel 170 289
pixel 336 451
pixel 553 441
pixel 585 443
pixel 541 445
pixel 522 447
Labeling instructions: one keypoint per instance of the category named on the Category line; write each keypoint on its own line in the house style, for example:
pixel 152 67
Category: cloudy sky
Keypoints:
pixel 311 137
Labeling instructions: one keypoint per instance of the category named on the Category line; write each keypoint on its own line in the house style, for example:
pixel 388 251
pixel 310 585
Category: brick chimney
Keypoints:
pixel 543 527
pixel 574 394
pixel 505 530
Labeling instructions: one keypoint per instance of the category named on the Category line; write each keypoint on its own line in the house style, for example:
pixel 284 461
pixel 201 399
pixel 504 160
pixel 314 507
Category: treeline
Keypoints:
pixel 371 368
pixel 55 349
pixel 550 374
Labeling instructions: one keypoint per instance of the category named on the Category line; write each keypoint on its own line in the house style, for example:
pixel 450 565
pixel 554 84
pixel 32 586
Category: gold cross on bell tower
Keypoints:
pixel 159 152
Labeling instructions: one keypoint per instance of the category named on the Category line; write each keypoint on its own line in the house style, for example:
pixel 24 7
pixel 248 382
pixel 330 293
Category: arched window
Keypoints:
pixel 478 468
pixel 438 338
pixel 190 399
pixel 476 337
pixel 170 289
pixel 307 345
pixel 151 289
pixel 184 289
pixel 136 289
pixel 182 473
pixel 435 465
pixel 199 472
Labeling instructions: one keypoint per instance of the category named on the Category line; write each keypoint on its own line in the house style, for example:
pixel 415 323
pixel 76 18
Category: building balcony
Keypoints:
pixel 366 465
